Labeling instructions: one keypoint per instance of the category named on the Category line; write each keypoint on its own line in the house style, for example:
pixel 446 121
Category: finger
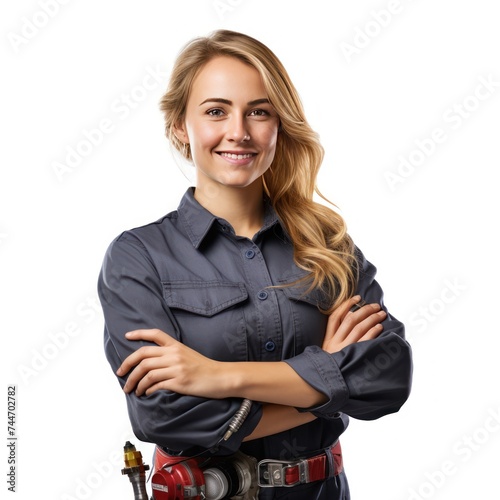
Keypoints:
pixel 361 313
pixel 352 305
pixel 352 319
pixel 162 385
pixel 357 306
pixel 365 326
pixel 335 319
pixel 372 333
pixel 136 357
pixel 150 335
pixel 142 373
pixel 153 380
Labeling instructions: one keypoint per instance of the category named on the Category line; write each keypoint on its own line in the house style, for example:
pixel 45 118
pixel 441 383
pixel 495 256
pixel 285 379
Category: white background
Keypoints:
pixel 371 97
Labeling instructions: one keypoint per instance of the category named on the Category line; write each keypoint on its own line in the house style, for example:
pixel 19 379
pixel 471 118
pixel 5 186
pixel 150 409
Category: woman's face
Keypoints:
pixel 230 125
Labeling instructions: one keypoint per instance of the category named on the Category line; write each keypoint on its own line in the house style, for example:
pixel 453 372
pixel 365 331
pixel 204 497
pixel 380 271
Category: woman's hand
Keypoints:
pixel 169 365
pixel 347 327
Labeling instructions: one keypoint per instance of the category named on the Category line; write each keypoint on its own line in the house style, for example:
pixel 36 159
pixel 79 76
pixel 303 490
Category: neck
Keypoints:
pixel 241 207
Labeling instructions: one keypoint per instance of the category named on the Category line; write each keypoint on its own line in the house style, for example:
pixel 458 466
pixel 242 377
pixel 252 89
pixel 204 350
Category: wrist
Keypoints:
pixel 229 378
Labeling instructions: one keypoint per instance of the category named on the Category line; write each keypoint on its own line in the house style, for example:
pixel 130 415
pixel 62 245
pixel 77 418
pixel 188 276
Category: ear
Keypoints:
pixel 181 133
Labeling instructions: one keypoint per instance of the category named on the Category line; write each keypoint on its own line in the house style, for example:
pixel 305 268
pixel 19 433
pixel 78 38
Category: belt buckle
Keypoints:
pixel 272 473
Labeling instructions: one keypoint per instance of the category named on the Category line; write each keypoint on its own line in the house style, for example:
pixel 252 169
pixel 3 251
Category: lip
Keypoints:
pixel 237 157
pixel 237 152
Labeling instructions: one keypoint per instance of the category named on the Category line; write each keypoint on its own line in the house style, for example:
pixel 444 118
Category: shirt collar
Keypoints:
pixel 198 221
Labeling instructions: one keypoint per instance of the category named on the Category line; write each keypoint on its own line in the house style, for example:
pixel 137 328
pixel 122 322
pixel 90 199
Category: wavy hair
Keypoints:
pixel 322 246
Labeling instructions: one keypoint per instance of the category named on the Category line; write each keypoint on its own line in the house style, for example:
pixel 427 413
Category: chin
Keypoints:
pixel 237 182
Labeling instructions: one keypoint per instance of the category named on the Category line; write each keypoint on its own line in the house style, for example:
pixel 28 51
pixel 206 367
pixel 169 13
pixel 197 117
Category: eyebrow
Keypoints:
pixel 227 101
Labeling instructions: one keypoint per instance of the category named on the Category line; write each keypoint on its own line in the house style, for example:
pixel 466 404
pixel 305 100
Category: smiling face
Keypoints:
pixel 229 124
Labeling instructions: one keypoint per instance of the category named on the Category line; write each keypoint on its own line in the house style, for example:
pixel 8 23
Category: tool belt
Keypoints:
pixel 283 473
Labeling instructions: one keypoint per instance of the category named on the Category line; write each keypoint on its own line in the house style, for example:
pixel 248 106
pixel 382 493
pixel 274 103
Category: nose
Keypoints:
pixel 237 130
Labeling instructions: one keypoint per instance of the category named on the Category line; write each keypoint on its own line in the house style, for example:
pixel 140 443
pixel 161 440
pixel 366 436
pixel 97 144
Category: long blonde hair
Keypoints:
pixel 321 244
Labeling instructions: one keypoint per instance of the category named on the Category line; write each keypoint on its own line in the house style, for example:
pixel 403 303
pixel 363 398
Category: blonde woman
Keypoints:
pixel 250 289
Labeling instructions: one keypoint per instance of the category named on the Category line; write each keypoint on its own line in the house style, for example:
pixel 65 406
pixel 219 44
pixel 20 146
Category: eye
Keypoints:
pixel 259 112
pixel 216 112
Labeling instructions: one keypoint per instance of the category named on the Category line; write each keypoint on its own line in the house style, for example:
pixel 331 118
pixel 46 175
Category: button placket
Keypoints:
pixel 267 314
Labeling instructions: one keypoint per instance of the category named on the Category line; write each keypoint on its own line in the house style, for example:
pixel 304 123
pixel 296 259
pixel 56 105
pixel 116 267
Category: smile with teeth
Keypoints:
pixel 237 157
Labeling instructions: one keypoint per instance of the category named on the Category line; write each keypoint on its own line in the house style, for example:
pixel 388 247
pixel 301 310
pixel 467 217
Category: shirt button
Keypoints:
pixel 262 295
pixel 249 254
pixel 270 346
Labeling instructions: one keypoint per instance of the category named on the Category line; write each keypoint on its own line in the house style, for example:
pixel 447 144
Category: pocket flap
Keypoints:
pixel 315 297
pixel 203 297
pixel 298 291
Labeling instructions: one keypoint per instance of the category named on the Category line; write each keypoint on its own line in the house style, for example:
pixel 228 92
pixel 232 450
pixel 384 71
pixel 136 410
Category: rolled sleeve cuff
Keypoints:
pixel 320 370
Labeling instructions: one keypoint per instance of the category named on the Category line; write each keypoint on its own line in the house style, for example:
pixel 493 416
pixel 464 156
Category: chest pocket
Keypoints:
pixel 210 317
pixel 308 322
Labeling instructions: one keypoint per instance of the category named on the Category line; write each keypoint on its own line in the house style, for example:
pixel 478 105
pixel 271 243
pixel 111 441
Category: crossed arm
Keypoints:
pixel 173 366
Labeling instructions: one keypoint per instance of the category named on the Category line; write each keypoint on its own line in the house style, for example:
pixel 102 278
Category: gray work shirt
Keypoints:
pixel 191 276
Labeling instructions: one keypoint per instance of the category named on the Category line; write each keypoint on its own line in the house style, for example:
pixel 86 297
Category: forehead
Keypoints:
pixel 229 78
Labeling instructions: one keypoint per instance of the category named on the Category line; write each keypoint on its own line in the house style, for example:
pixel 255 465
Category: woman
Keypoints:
pixel 250 289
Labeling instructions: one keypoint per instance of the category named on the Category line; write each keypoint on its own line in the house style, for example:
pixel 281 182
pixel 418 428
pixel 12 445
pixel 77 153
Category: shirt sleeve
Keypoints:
pixel 365 380
pixel 130 292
